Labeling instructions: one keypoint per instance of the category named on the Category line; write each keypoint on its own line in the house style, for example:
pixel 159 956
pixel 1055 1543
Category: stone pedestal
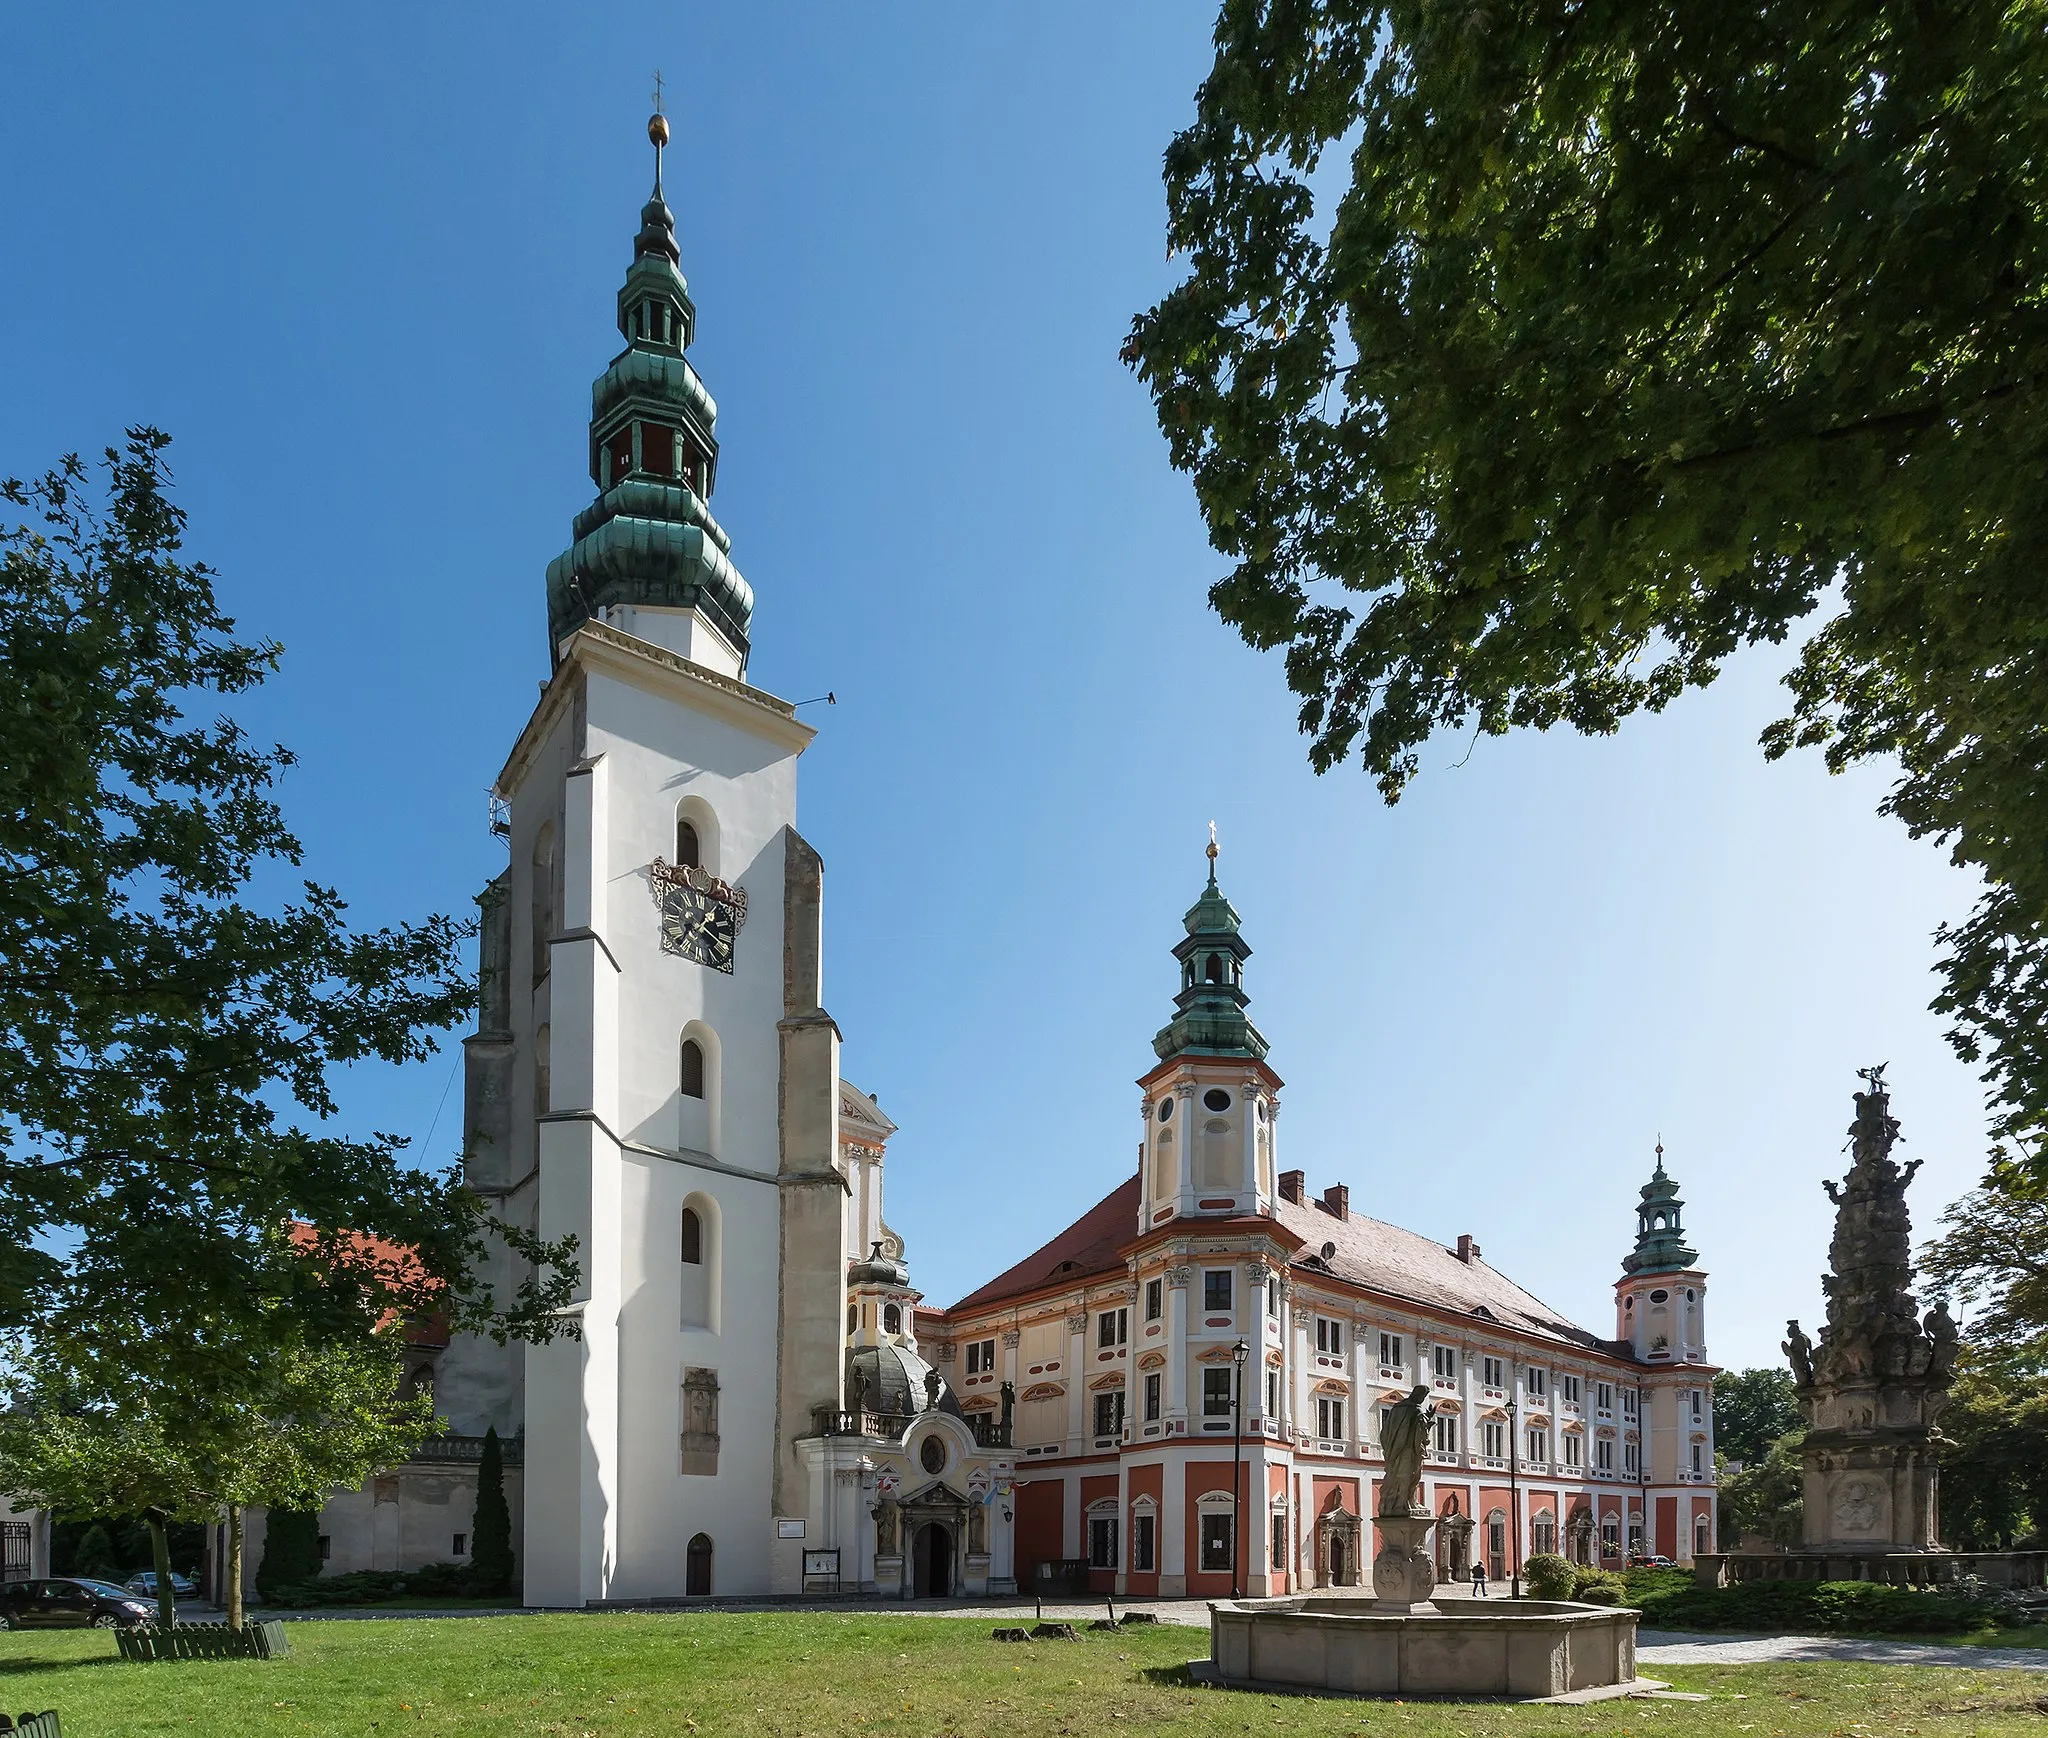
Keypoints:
pixel 1404 1573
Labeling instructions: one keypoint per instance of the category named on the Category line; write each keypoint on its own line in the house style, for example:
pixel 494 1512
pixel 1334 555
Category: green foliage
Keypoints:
pixel 1752 1410
pixel 1643 1581
pixel 490 1538
pixel 375 1587
pixel 1639 332
pixel 95 1555
pixel 1598 1586
pixel 1548 1576
pixel 1994 1468
pixel 1994 1256
pixel 166 1046
pixel 291 1551
pixel 1803 1607
pixel 1766 1499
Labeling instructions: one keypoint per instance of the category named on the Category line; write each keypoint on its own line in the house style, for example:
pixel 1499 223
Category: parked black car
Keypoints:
pixel 67 1602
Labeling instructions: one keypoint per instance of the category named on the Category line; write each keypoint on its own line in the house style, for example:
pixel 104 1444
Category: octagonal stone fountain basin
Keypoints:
pixel 1528 1648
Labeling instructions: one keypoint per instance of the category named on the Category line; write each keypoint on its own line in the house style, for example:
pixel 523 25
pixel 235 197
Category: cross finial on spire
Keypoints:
pixel 1212 853
pixel 657 132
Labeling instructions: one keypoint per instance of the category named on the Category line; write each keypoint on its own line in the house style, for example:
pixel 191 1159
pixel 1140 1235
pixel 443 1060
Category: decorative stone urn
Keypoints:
pixel 1404 1573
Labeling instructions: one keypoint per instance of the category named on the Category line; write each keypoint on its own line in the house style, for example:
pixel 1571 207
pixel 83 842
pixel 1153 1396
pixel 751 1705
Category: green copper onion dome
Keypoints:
pixel 649 537
pixel 1660 1235
pixel 1209 1013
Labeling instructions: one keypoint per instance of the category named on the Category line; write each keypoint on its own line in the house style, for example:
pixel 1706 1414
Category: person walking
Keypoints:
pixel 1478 1577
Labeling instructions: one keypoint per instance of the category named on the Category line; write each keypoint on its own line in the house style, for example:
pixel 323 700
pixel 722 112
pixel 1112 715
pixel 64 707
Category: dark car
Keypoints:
pixel 70 1602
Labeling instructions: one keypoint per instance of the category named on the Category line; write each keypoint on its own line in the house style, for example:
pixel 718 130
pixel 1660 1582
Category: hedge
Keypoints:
pixel 1793 1607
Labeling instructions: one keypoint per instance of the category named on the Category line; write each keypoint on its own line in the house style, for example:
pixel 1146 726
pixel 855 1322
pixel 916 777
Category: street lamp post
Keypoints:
pixel 1239 1352
pixel 1514 1493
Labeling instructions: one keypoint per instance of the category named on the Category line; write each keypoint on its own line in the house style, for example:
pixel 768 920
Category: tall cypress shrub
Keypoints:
pixel 490 1538
pixel 291 1550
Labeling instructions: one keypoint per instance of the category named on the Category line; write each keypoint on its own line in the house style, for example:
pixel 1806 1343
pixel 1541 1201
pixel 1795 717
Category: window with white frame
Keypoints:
pixel 1444 1360
pixel 1697 1401
pixel 1215 1393
pixel 1603 1396
pixel 1144 1530
pixel 1543 1533
pixel 1155 1300
pixel 1329 1416
pixel 1109 1412
pixel 1628 1402
pixel 981 1357
pixel 1610 1536
pixel 1631 1458
pixel 1329 1336
pixel 1539 1443
pixel 1279 1542
pixel 1568 1390
pixel 1390 1351
pixel 1273 1298
pixel 1534 1381
pixel 1272 1393
pixel 1490 1372
pixel 1102 1531
pixel 1603 1454
pixel 1493 1437
pixel 1152 1387
pixel 1216 1290
pixel 1574 1449
pixel 1447 1433
pixel 1112 1328
pixel 1699 1450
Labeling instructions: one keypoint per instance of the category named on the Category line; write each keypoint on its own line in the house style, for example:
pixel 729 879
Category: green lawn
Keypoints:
pixel 815 1675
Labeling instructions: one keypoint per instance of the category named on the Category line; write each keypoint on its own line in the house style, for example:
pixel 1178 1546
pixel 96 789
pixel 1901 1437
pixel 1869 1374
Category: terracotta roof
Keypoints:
pixel 1086 1248
pixel 1405 1264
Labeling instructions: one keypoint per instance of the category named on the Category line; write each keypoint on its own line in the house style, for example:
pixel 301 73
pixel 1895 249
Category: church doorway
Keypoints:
pixel 1338 1567
pixel 932 1555
pixel 697 1571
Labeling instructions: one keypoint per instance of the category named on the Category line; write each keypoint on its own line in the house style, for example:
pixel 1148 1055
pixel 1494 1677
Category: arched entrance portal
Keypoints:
pixel 933 1554
pixel 697 1565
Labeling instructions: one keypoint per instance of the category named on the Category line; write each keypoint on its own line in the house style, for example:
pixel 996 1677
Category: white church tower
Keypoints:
pixel 654 1073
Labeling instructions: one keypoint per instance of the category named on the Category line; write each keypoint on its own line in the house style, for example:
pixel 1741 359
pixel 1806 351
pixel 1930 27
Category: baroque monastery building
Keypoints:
pixel 1181 1389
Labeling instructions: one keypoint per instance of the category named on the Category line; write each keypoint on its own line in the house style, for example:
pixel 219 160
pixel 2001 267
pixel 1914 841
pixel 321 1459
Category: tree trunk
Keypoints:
pixel 234 1601
pixel 160 1555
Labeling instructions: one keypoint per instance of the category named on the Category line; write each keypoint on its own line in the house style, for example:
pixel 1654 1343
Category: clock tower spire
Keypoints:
pixel 647 557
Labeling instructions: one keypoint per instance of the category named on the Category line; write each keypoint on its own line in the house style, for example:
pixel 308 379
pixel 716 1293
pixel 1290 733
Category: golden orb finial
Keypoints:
pixel 657 129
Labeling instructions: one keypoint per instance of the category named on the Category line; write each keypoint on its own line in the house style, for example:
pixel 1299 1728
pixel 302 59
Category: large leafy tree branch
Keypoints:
pixel 167 1044
pixel 1641 332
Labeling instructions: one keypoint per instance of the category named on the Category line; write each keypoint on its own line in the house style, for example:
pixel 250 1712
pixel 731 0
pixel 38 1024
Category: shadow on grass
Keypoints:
pixel 1169 1677
pixel 15 1667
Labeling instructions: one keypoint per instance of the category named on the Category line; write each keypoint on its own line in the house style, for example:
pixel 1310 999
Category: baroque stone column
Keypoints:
pixel 1874 1387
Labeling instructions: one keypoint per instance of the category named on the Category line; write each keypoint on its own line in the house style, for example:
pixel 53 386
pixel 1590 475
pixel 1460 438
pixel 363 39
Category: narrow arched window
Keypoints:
pixel 892 1319
pixel 693 1068
pixel 693 1238
pixel 1214 972
pixel 697 1566
pixel 852 1317
pixel 688 853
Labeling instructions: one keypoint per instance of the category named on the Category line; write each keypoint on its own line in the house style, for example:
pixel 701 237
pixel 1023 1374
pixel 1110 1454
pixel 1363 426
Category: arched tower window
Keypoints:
pixel 689 855
pixel 693 1238
pixel 892 1319
pixel 699 1268
pixel 1213 970
pixel 697 1575
pixel 543 899
pixel 693 1069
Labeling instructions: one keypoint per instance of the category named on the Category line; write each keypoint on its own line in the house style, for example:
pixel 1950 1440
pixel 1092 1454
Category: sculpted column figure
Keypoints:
pixel 1404 1572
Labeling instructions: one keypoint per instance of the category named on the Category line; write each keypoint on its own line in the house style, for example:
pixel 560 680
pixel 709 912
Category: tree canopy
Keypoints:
pixel 168 1044
pixel 1641 332
pixel 1752 1410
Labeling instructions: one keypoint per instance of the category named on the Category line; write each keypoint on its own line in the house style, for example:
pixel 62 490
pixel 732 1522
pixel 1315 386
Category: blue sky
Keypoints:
pixel 360 262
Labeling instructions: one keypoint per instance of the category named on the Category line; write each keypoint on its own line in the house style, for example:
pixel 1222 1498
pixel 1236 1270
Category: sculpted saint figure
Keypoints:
pixel 1404 1439
pixel 1798 1350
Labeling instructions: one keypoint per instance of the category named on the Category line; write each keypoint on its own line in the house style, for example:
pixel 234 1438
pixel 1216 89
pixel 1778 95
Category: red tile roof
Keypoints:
pixel 1087 1247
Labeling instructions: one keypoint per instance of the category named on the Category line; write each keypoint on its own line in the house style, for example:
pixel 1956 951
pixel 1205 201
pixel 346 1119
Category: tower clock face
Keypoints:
pixel 697 925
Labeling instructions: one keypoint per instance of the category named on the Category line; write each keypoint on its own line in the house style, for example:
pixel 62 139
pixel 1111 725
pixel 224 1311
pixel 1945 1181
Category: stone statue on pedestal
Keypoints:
pixel 1404 1572
pixel 1876 1383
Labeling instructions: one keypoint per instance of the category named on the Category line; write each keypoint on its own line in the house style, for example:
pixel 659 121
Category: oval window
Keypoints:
pixel 1216 1098
pixel 932 1456
pixel 1166 1110
pixel 1660 1297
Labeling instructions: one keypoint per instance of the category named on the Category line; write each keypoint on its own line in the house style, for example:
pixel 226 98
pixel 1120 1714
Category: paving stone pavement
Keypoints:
pixel 1662 1648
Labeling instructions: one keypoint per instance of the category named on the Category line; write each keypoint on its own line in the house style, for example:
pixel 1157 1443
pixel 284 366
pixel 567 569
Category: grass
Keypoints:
pixel 827 1675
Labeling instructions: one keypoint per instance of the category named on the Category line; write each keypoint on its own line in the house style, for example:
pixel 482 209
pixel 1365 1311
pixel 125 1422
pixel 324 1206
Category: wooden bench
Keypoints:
pixel 43 1725
pixel 203 1641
